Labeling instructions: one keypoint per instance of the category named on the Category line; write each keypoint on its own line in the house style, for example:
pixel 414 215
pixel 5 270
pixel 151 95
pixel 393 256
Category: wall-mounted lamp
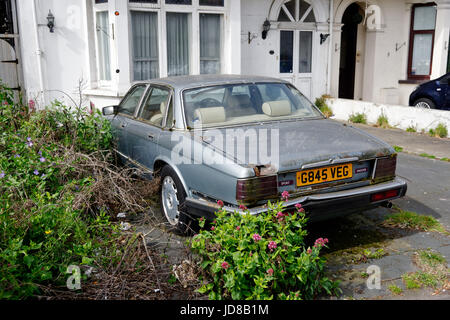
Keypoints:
pixel 324 37
pixel 266 28
pixel 51 21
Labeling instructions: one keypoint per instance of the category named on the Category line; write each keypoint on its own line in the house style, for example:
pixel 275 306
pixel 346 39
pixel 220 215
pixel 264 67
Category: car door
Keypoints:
pixel 126 111
pixel 145 129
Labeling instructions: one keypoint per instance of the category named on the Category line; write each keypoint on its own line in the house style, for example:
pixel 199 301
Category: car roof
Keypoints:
pixel 183 82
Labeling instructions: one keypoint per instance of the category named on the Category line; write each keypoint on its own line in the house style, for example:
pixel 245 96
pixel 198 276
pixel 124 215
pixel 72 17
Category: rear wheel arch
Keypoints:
pixel 161 163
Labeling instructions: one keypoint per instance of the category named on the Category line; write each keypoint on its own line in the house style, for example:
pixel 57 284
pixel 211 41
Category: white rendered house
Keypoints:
pixel 374 50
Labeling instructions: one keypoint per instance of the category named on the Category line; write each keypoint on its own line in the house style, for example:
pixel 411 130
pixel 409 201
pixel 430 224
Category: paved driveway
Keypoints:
pixel 428 194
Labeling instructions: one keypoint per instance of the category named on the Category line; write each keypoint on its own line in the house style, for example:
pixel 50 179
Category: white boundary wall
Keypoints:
pixel 400 117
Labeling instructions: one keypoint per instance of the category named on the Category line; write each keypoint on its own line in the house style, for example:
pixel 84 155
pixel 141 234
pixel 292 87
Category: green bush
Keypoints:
pixel 358 118
pixel 261 257
pixel 323 106
pixel 383 121
pixel 441 130
pixel 41 231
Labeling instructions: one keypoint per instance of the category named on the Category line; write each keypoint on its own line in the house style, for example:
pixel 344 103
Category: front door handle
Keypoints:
pixel 123 125
pixel 151 136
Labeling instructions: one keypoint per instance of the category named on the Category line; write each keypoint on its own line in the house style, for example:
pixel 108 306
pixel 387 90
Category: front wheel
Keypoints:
pixel 424 103
pixel 172 195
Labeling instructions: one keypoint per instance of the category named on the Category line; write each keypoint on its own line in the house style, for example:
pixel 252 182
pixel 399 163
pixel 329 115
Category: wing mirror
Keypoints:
pixel 110 110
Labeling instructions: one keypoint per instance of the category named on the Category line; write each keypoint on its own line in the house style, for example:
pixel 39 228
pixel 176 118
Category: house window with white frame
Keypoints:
pixel 145 47
pixel 165 38
pixel 423 23
pixel 210 43
pixel 103 48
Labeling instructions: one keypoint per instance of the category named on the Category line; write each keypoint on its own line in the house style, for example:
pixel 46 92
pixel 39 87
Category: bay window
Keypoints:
pixel 178 44
pixel 163 38
pixel 210 43
pixel 144 27
pixel 423 22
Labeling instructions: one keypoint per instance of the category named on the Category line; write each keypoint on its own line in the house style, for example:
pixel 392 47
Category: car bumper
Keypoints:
pixel 318 206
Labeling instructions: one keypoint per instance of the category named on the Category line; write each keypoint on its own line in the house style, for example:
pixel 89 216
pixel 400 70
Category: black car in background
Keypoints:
pixel 434 94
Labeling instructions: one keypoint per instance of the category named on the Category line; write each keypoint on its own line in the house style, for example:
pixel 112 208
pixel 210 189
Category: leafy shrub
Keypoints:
pixel 358 118
pixel 383 121
pixel 323 106
pixel 411 129
pixel 441 131
pixel 44 227
pixel 261 257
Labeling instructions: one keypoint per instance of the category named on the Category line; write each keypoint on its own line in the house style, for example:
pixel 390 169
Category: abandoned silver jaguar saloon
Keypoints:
pixel 238 142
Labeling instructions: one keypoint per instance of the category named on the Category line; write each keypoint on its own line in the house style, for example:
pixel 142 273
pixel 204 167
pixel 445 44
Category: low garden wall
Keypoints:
pixel 401 117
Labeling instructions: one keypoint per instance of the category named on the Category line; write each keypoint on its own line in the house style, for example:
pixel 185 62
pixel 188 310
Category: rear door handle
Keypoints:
pixel 123 124
pixel 151 136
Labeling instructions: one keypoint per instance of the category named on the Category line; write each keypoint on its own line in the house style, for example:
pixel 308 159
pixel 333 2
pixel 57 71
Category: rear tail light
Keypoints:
pixel 254 189
pixel 385 167
pixel 384 195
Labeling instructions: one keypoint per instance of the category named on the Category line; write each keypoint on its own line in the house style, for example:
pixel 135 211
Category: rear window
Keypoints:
pixel 245 103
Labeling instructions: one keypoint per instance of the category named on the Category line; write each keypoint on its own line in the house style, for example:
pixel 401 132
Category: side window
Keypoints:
pixel 155 106
pixel 131 101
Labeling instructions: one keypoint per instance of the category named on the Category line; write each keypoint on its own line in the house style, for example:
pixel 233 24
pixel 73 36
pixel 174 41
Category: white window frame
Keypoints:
pixel 144 7
pixel 102 7
pixel 194 10
pixel 222 35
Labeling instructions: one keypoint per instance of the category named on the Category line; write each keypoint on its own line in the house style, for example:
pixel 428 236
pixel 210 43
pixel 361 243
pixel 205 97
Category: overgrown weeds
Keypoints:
pixel 60 193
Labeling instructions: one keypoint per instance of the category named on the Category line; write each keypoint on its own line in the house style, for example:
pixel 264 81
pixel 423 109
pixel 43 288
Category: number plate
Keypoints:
pixel 326 174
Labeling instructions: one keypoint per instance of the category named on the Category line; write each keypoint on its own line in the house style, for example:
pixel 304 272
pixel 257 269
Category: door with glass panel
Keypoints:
pixel 296 58
pixel 125 113
pixel 144 130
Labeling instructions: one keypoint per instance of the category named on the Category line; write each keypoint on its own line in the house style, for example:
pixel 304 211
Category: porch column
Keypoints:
pixel 335 59
pixel 371 56
pixel 441 39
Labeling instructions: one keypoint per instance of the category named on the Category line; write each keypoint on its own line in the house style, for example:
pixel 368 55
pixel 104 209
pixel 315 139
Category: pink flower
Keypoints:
pixel 285 195
pixel 270 272
pixel 31 104
pixel 272 245
pixel 220 203
pixel 320 242
pixel 256 237
pixel 213 228
pixel 242 207
pixel 309 251
pixel 238 228
pixel 280 215
pixel 225 265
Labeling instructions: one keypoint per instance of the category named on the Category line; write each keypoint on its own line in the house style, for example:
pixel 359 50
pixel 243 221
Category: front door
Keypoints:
pixel 295 64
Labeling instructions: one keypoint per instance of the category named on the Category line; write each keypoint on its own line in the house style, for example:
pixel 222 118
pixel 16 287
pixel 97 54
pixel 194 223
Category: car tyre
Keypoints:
pixel 424 103
pixel 172 195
